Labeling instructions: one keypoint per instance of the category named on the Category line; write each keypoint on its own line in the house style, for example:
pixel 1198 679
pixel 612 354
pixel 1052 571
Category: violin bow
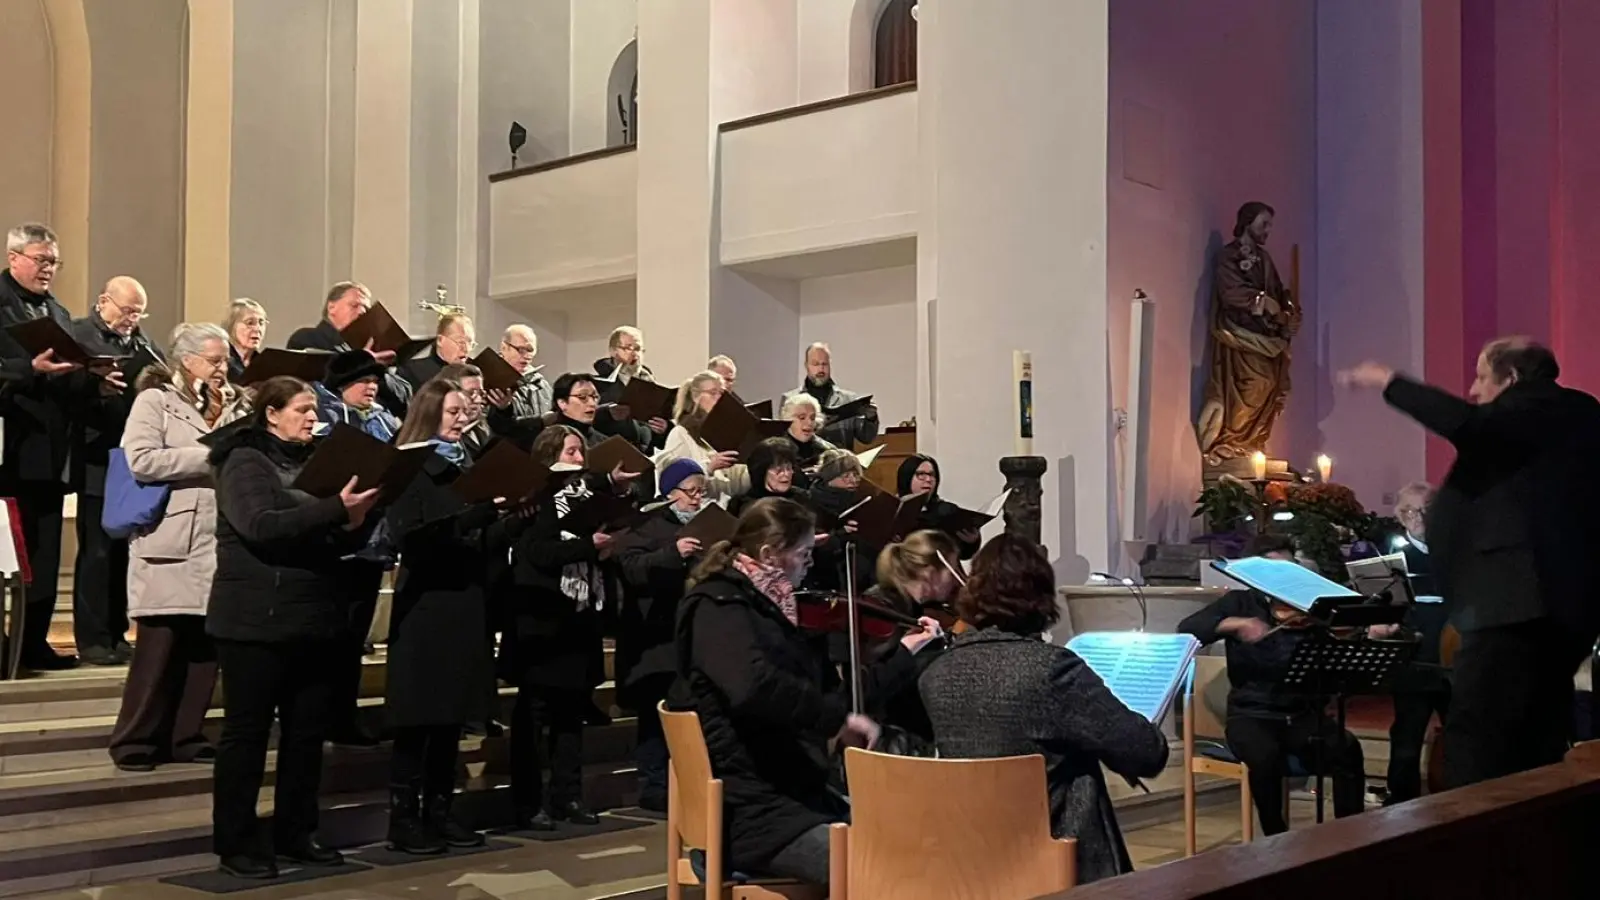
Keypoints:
pixel 855 627
pixel 954 570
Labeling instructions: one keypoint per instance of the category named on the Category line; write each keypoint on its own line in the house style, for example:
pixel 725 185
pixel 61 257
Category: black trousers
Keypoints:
pixel 650 746
pixel 347 680
pixel 424 758
pixel 562 712
pixel 39 505
pixel 1511 701
pixel 170 681
pixel 294 683
pixel 99 581
pixel 1413 711
pixel 1265 745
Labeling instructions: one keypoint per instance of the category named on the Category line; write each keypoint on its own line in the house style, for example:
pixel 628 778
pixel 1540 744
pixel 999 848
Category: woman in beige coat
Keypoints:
pixel 170 566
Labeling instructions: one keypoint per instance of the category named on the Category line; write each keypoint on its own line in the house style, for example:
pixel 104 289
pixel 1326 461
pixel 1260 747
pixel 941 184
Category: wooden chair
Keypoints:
pixel 958 828
pixel 694 823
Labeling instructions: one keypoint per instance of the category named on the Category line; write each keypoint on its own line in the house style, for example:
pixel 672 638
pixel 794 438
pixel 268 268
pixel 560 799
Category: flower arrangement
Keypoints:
pixel 1325 520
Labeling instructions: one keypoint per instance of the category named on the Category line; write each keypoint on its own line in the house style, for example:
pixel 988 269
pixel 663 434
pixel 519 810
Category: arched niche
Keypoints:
pixel 622 98
pixel 894 45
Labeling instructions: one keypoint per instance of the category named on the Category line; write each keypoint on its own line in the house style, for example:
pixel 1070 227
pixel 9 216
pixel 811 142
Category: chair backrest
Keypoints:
pixel 969 828
pixel 1209 689
pixel 691 768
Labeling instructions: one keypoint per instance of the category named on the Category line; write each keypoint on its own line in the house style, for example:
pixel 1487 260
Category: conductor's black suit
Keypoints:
pixel 1513 532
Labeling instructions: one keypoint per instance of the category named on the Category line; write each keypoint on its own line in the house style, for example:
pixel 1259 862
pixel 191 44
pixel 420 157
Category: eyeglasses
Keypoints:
pixel 43 262
pixel 214 362
pixel 465 343
pixel 584 396
pixel 127 312
pixel 521 349
pixel 692 493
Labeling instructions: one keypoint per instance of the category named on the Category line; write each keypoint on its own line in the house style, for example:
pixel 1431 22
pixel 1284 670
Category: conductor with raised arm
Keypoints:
pixel 1511 532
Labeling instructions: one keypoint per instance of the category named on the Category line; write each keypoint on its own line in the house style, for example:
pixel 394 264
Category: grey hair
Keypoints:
pixel 817 345
pixel 1420 492
pixel 237 310
pixel 724 360
pixel 796 401
pixel 616 336
pixel 189 338
pixel 29 233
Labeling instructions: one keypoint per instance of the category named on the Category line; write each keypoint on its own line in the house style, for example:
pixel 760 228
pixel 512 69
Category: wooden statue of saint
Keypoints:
pixel 1253 320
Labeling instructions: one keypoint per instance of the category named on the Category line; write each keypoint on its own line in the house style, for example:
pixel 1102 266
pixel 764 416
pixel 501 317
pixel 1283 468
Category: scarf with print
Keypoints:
pixel 772 582
pixel 580 581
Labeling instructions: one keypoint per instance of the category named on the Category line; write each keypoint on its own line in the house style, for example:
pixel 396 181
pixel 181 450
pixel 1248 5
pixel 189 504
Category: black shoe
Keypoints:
pixel 407 832
pixel 205 755
pixel 137 762
pixel 249 867
pixel 534 820
pixel 573 812
pixel 49 661
pixel 436 812
pixel 307 852
pixel 101 656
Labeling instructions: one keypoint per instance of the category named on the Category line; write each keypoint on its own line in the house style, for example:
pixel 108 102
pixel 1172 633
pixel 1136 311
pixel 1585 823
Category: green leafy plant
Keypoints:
pixel 1225 505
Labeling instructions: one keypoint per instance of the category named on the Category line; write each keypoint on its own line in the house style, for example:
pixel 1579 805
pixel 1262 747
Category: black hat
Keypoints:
pixel 350 367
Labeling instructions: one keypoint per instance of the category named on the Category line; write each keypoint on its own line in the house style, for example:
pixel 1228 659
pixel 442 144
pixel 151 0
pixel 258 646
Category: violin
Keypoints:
pixel 824 612
pixel 1289 618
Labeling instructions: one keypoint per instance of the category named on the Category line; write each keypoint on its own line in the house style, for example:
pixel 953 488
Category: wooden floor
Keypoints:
pixel 626 865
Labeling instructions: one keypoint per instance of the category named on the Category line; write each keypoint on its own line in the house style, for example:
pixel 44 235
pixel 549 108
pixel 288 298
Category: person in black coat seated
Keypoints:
pixel 346 302
pixel 655 564
pixel 770 702
pixel 277 615
pixel 553 645
pixel 915 578
pixel 1266 722
pixel 999 690
pixel 773 467
pixel 1512 534
pixel 919 474
pixel 439 660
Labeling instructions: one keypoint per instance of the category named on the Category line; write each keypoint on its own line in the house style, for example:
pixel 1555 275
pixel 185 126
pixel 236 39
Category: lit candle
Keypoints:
pixel 1022 373
pixel 1324 466
pixel 1258 462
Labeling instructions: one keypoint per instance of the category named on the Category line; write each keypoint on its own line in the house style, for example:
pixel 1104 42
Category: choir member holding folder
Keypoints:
pixel 726 477
pixel 1001 691
pixel 553 642
pixel 1266 722
pixel 277 616
pixel 347 304
pixel 773 468
pixel 804 415
pixel 439 660
pixel 655 557
pixel 919 475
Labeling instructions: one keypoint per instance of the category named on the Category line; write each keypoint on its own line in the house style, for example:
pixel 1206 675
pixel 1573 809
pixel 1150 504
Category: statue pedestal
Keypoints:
pixel 1023 507
pixel 1245 470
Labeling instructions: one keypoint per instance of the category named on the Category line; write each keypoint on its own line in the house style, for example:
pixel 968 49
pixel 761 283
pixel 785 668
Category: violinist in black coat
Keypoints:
pixel 439 659
pixel 1511 534
pixel 655 564
pixel 919 474
pixel 553 647
pixel 768 698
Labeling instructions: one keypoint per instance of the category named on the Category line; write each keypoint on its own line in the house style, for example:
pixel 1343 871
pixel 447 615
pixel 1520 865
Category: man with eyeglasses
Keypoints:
pixel 612 374
pixel 532 397
pixel 39 397
pixel 454 342
pixel 100 573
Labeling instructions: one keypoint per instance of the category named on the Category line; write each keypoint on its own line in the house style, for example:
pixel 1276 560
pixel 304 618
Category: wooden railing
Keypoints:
pixel 791 112
pixel 1532 835
pixel 564 161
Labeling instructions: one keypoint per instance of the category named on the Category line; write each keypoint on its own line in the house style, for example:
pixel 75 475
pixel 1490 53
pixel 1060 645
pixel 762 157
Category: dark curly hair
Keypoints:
pixel 1012 587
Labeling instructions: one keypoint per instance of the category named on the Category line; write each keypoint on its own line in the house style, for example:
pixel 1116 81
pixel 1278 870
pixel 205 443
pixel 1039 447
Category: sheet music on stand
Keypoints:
pixel 1143 670
pixel 1280 579
pixel 1385 576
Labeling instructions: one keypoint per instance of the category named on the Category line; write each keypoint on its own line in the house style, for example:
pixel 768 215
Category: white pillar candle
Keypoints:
pixel 1022 373
pixel 1258 462
pixel 1324 467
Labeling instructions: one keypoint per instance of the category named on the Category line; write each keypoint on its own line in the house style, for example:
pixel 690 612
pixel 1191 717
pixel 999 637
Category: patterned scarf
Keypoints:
pixel 772 582
pixel 580 581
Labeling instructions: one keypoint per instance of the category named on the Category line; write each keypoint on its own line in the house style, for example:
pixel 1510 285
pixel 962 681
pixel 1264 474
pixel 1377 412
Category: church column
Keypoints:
pixel 208 160
pixel 1011 253
pixel 381 242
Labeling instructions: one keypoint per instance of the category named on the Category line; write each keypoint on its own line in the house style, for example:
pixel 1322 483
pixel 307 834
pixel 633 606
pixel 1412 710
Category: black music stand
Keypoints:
pixel 1327 667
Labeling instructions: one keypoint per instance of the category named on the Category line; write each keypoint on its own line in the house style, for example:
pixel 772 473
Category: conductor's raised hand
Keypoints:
pixel 1370 375
pixel 357 503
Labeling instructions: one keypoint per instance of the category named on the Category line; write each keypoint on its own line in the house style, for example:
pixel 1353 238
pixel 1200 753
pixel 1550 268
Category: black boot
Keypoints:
pixel 407 831
pixel 436 813
pixel 532 818
pixel 572 811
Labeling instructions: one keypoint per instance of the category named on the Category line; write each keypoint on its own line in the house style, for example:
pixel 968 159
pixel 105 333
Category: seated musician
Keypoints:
pixel 773 469
pixel 999 690
pixel 1421 688
pixel 768 699
pixel 804 415
pixel 655 562
pixel 919 474
pixel 727 478
pixel 1267 723
pixel 912 579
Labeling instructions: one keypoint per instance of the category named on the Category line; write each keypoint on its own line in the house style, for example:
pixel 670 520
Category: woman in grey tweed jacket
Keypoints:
pixel 1001 691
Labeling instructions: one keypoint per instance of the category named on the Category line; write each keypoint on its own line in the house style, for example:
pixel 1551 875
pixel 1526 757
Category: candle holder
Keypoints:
pixel 1260 485
pixel 1024 505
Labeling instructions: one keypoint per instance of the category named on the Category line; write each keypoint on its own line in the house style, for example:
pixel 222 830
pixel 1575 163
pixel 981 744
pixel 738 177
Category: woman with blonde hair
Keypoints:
pixel 246 330
pixel 726 477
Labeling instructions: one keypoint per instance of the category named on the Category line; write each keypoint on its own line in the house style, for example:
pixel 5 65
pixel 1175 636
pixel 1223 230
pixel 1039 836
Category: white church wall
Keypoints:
pixel 526 68
pixel 869 320
pixel 755 65
pixel 600 31
pixel 840 177
pixel 756 320
pixel 572 326
pixel 566 227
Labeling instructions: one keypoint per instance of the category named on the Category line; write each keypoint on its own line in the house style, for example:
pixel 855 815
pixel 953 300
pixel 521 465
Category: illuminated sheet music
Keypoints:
pixel 1143 670
pixel 1280 579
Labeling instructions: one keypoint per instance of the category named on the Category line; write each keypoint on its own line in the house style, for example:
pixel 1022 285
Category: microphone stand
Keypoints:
pixel 855 627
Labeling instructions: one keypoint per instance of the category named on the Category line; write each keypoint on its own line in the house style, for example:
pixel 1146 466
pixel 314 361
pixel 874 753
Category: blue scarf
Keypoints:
pixel 452 451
